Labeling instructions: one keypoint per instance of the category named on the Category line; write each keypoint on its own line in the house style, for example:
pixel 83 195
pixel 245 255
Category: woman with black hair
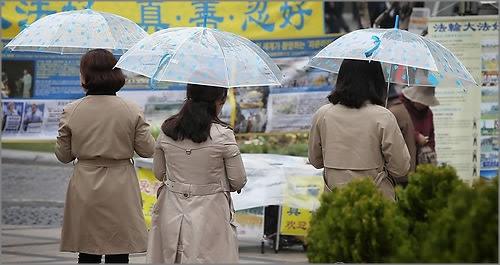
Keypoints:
pixel 199 162
pixel 355 135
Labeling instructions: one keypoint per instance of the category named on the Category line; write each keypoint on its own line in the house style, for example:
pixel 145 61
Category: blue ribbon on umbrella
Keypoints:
pixel 377 39
pixel 157 69
pixel 377 43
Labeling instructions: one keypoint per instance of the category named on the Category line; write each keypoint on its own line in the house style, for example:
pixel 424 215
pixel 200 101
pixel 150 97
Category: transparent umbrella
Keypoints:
pixel 201 55
pixel 406 58
pixel 76 32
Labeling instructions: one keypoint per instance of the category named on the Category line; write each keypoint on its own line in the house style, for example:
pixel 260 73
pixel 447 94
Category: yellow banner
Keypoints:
pixel 149 185
pixel 299 191
pixel 254 19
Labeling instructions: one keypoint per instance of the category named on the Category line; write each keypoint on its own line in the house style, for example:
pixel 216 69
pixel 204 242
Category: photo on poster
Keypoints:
pixel 488 173
pixel 33 117
pixel 490 79
pixel 19 75
pixel 251 109
pixel 489 111
pixel 489 144
pixel 489 94
pixel 489 55
pixel 489 160
pixel 295 71
pixel 489 127
pixel 12 116
pixel 159 112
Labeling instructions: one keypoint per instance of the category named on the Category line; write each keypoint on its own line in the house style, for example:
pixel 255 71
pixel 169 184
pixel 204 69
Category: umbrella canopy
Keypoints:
pixel 406 58
pixel 76 32
pixel 203 56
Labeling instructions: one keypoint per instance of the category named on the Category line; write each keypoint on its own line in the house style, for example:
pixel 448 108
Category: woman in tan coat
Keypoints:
pixel 355 135
pixel 103 209
pixel 197 158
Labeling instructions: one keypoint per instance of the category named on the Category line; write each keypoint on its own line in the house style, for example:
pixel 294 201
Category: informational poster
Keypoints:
pixel 466 121
pixel 300 190
pixel 289 108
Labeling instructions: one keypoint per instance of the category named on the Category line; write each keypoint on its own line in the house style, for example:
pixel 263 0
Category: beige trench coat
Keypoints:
pixel 193 219
pixel 351 143
pixel 103 209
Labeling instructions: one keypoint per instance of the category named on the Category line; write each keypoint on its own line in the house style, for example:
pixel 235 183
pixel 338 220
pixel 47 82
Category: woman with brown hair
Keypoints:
pixel 354 135
pixel 199 162
pixel 103 209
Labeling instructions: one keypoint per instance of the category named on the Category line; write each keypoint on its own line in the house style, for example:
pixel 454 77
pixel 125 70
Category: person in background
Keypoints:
pixel 103 207
pixel 27 81
pixel 405 124
pixel 417 100
pixel 199 162
pixel 35 115
pixel 355 136
pixel 334 17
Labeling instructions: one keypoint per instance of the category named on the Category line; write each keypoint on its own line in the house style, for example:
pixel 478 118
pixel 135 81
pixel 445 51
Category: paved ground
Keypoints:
pixel 33 192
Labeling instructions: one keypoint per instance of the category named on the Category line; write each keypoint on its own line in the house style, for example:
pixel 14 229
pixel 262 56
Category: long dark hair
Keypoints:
pixel 97 69
pixel 197 114
pixel 357 82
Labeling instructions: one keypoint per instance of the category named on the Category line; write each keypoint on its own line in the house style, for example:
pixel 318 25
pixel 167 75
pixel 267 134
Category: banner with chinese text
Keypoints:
pixel 466 122
pixel 251 19
pixel 300 190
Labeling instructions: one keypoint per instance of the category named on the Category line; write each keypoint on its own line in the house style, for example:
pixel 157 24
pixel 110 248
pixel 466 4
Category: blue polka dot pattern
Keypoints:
pixel 406 58
pixel 203 56
pixel 76 32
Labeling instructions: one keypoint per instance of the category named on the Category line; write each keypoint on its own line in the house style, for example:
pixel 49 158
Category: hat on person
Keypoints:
pixel 421 94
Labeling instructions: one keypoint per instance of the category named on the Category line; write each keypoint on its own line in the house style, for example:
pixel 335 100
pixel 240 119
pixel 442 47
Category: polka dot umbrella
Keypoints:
pixel 201 55
pixel 406 58
pixel 76 32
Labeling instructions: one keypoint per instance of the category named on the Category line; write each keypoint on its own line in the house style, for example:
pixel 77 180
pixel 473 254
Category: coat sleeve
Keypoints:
pixel 63 141
pixel 315 151
pixel 396 155
pixel 235 170
pixel 144 142
pixel 159 163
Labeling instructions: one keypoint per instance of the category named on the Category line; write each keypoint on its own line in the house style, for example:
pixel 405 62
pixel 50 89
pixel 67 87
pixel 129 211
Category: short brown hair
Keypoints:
pixel 97 69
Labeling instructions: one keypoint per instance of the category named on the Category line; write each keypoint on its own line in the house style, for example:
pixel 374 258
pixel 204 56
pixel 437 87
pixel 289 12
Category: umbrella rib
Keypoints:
pixel 225 64
pixel 251 48
pixel 173 54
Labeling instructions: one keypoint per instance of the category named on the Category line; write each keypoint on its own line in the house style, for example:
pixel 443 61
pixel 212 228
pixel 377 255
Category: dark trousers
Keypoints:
pixel 91 258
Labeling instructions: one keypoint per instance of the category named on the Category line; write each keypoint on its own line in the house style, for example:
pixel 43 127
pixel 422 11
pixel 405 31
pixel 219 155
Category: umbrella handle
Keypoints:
pixel 377 43
pixel 151 85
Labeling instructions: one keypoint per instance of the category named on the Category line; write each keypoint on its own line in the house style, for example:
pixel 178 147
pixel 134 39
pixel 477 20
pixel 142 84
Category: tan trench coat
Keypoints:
pixel 103 209
pixel 193 220
pixel 351 143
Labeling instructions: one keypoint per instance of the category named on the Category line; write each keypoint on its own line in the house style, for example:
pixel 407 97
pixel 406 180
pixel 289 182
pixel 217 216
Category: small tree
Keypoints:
pixel 355 224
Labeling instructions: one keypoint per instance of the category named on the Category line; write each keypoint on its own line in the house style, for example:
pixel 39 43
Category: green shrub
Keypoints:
pixel 425 196
pixel 355 224
pixel 466 231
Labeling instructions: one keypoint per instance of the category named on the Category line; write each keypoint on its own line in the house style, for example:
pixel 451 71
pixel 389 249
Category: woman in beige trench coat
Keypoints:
pixel 103 209
pixel 354 135
pixel 197 157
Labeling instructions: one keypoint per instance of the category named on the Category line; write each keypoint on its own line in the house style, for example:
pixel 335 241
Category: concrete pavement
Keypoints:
pixel 40 243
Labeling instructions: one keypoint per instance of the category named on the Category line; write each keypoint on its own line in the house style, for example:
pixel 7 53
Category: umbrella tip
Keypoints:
pixel 396 24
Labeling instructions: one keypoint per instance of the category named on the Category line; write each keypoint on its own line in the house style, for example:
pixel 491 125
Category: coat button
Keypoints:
pixel 186 195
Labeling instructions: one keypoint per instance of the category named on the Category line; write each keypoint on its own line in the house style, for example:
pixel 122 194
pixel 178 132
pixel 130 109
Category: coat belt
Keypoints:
pixel 194 189
pixel 105 162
